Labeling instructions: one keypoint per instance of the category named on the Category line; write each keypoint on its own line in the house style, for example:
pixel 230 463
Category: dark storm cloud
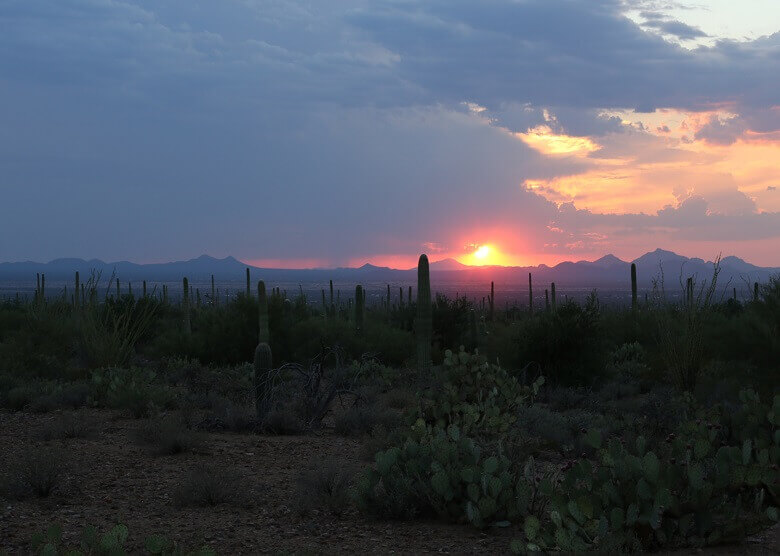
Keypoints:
pixel 281 128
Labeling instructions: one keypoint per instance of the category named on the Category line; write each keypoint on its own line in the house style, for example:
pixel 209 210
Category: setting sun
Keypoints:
pixel 483 252
pixel 483 255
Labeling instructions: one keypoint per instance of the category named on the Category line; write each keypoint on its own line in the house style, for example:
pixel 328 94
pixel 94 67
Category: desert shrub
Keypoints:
pixel 21 396
pixel 62 396
pixel 360 420
pixel 168 435
pixel 283 420
pixel 628 360
pixel 553 428
pixel 35 472
pixel 208 485
pixel 109 331
pixel 398 398
pixel 42 344
pixel 326 487
pixel 67 426
pixel 227 415
pixel 304 394
pixel 567 343
pixel 450 321
pixel 135 390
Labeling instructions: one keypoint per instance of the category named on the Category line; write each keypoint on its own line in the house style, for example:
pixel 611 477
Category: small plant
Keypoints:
pixel 168 435
pixel 36 472
pixel 324 488
pixel 68 426
pixel 208 485
pixel 358 421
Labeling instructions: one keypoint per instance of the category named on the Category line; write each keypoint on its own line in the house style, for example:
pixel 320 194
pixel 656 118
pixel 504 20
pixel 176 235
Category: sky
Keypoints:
pixel 300 133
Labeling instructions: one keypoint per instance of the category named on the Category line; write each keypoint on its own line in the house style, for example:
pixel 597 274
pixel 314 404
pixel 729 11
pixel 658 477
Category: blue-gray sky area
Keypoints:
pixel 314 133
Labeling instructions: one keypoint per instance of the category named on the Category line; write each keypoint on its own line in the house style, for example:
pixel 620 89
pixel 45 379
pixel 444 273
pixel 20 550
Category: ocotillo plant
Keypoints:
pixel 530 295
pixel 492 300
pixel 185 304
pixel 264 332
pixel 633 287
pixel 755 292
pixel 552 296
pixel 360 302
pixel 324 305
pixel 263 364
pixel 248 286
pixel 76 292
pixel 144 289
pixel 424 325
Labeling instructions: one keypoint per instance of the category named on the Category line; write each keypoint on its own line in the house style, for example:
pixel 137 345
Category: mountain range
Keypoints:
pixel 608 271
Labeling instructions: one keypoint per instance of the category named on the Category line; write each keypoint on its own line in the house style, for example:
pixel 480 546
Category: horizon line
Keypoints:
pixel 368 262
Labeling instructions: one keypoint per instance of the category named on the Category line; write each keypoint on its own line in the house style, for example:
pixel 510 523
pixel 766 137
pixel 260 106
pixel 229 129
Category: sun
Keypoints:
pixel 482 252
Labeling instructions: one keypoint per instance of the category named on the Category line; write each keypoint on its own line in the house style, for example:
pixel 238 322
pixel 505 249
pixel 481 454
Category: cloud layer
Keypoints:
pixel 299 131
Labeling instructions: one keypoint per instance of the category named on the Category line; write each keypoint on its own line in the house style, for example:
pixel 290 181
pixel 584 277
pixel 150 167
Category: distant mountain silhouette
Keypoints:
pixel 609 271
pixel 447 264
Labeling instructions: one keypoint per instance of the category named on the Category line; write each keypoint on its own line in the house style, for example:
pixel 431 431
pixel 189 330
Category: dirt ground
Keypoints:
pixel 113 479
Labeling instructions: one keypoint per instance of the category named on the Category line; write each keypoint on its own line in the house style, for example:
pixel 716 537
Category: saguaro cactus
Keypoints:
pixel 424 325
pixel 689 293
pixel 492 300
pixel 43 288
pixel 633 287
pixel 547 300
pixel 143 287
pixel 388 303
pixel 332 306
pixel 552 296
pixel 530 295
pixel 185 304
pixel 264 332
pixel 263 365
pixel 248 286
pixel 213 292
pixel 76 292
pixel 360 302
pixel 755 292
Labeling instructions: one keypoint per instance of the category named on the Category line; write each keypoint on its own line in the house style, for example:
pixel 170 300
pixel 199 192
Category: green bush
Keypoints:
pixel 568 344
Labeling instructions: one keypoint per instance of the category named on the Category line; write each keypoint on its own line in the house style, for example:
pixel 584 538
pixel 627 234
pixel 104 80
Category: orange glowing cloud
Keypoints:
pixel 543 139
pixel 642 168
